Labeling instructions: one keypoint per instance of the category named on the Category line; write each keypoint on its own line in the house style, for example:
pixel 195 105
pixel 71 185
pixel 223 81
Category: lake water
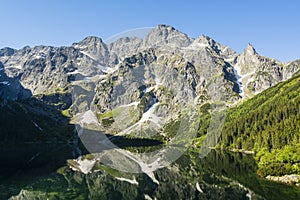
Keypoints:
pixel 30 171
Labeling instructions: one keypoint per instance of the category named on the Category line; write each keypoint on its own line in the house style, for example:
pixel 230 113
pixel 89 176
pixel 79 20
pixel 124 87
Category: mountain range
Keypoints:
pixel 132 90
pixel 46 69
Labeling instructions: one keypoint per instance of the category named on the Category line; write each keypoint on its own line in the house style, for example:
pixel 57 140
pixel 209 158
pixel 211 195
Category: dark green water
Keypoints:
pixel 220 175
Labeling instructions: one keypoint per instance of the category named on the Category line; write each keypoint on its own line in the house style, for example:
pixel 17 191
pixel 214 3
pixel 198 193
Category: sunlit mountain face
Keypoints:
pixel 164 116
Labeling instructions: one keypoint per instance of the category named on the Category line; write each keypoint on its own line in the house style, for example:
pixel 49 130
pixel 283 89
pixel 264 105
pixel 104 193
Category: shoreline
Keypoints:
pixel 242 151
pixel 291 179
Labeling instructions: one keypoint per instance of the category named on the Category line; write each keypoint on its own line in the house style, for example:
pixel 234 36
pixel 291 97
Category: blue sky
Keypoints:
pixel 272 27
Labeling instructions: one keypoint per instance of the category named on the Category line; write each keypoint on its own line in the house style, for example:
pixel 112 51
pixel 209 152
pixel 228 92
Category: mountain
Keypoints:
pixel 10 88
pixel 268 124
pixel 142 95
pixel 165 35
pixel 258 73
pixel 46 69
pixel 147 82
pixel 136 87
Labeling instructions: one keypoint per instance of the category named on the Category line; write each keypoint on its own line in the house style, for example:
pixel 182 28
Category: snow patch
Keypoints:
pixel 242 80
pixel 149 89
pixel 14 66
pixel 85 166
pixel 5 83
pixel 36 125
pixel 18 66
pixel 89 117
pixel 74 72
pixel 199 188
pixel 147 197
pixel 202 45
pixel 135 103
pixel 196 46
pixel 133 182
pixel 223 50
pixel 88 55
pixel 37 56
pixel 110 70
pixel 145 167
pixel 237 73
pixel 147 116
pixel 34 157
pixel 229 59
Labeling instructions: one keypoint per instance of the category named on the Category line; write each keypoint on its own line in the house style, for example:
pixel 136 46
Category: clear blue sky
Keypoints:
pixel 273 27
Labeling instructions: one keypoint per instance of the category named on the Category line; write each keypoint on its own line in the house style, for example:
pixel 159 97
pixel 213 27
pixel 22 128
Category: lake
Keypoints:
pixel 39 172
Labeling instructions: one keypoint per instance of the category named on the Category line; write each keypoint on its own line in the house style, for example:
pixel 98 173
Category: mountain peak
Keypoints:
pixel 166 35
pixel 204 37
pixel 205 40
pixel 165 26
pixel 7 51
pixel 91 40
pixel 250 50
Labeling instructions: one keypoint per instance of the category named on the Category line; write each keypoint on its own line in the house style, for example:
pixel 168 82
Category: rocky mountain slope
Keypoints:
pixel 137 87
pixel 131 90
pixel 268 124
pixel 46 69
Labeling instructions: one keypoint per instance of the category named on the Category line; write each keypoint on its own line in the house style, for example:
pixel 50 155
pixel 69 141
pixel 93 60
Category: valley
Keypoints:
pixel 147 118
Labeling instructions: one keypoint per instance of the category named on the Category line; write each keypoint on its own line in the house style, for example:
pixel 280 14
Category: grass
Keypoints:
pixel 111 171
pixel 66 113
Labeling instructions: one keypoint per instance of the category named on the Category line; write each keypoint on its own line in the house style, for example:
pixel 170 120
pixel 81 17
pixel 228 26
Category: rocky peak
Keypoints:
pixel 166 35
pixel 125 46
pixel 94 48
pixel 205 40
pixel 10 88
pixel 90 40
pixel 7 51
pixel 250 50
pixel 249 60
pixel 45 69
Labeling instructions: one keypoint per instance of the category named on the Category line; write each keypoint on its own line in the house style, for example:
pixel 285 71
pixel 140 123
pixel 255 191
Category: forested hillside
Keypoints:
pixel 268 124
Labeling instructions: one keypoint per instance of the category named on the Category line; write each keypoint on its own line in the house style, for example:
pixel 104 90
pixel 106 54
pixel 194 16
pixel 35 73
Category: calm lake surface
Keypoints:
pixel 38 172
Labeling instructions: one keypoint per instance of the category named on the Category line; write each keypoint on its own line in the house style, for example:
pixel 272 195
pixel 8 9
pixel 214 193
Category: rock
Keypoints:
pixel 289 179
pixel 165 35
pixel 210 68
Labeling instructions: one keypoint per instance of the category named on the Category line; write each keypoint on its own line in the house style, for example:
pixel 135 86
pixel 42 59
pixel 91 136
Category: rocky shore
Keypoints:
pixel 289 179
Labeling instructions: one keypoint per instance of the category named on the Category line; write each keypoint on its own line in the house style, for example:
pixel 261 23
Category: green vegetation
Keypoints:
pixel 111 171
pixel 66 113
pixel 269 125
pixel 125 115
pixel 279 162
pixel 30 121
pixel 106 119
pixel 171 128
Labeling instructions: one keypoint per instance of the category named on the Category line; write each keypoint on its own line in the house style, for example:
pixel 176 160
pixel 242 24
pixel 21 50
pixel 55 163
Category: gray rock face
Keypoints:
pixel 290 69
pixel 94 48
pixel 164 35
pixel 259 73
pixel 249 60
pixel 124 47
pixel 6 51
pixel 139 88
pixel 46 69
pixel 10 88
